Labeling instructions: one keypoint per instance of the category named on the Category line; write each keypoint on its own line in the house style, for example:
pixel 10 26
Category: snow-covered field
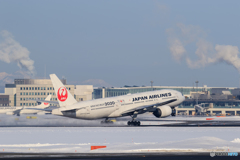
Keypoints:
pixel 119 139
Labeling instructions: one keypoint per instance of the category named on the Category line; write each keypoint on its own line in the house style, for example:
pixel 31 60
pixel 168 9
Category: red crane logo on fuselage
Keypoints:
pixel 62 94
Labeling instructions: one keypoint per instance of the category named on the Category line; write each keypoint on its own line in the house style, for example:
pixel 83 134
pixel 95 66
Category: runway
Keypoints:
pixel 146 121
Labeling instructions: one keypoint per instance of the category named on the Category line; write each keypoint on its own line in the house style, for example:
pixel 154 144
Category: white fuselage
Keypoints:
pixel 120 105
pixel 9 109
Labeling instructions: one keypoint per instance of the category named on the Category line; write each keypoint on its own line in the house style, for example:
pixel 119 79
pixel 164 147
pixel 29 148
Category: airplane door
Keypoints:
pixel 117 105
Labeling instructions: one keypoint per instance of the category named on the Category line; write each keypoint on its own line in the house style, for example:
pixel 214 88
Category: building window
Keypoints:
pixel 32 88
pixel 29 88
pixel 38 88
pixel 41 93
pixel 35 93
pixel 29 104
pixel 20 99
pixel 29 93
pixel 41 88
pixel 20 93
pixel 44 93
pixel 23 93
pixel 53 93
pixel 26 88
pixel 24 104
pixel 32 104
pixel 47 88
pixel 44 88
pixel 50 88
pixel 47 93
pixel 20 104
pixel 69 88
pixel 23 88
pixel 26 93
pixel 38 93
pixel 32 93
pixel 20 88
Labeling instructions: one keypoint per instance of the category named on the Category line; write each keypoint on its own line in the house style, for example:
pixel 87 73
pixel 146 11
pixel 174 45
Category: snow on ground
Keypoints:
pixel 119 139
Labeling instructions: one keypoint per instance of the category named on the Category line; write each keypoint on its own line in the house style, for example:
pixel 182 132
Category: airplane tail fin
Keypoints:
pixel 44 104
pixel 64 97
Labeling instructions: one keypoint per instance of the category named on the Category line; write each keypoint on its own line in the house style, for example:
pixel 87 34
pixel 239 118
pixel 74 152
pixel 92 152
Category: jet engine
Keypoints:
pixel 162 111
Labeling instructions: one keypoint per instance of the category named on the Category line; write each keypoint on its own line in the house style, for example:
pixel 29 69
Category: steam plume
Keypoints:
pixel 12 51
pixel 206 53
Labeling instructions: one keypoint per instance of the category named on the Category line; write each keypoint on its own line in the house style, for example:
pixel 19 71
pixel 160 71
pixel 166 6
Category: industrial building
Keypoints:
pixel 24 90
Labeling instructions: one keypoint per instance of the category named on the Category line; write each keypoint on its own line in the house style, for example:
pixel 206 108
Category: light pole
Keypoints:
pixel 197 92
pixel 151 84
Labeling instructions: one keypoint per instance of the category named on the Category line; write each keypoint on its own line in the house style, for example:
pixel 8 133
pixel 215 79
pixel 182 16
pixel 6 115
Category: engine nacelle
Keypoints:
pixel 162 111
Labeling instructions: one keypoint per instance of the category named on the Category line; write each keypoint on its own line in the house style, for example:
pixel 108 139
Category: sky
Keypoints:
pixel 116 43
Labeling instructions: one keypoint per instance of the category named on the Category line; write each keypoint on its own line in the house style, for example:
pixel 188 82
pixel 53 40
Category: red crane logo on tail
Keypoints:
pixel 62 94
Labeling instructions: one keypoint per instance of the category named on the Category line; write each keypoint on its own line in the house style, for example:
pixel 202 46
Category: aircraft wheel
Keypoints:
pixel 135 123
pixel 138 123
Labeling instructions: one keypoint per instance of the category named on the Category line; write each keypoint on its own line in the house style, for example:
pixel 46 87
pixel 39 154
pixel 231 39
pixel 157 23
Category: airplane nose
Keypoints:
pixel 181 97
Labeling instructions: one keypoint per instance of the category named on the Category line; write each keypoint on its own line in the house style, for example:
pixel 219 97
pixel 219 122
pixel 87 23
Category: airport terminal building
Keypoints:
pixel 112 92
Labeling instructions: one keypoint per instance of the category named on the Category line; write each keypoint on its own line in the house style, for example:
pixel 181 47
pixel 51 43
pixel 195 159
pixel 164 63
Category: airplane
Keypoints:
pixel 23 110
pixel 161 103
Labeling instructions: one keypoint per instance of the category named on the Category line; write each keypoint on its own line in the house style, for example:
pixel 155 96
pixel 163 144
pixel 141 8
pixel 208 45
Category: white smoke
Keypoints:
pixel 206 53
pixel 12 51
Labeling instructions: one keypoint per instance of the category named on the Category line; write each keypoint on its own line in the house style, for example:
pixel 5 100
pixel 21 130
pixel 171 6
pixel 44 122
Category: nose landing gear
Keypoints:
pixel 173 112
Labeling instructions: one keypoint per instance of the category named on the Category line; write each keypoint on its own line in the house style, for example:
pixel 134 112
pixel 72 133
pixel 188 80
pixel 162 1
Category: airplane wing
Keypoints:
pixel 40 109
pixel 17 112
pixel 144 108
pixel 48 109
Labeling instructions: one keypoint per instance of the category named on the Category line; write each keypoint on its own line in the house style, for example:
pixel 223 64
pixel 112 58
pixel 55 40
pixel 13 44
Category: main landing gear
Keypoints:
pixel 107 121
pixel 134 122
pixel 173 112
